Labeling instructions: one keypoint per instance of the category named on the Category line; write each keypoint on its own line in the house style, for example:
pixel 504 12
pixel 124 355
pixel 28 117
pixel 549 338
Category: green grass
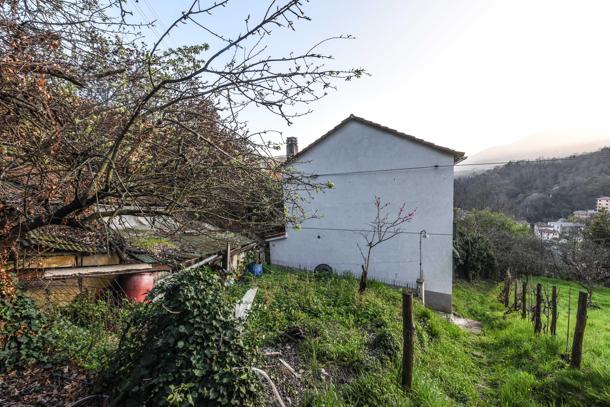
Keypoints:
pixel 522 367
pixel 357 339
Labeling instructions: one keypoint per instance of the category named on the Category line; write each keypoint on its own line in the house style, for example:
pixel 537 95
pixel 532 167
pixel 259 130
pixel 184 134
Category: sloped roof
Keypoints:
pixel 179 247
pixel 457 155
pixel 54 238
pixel 64 238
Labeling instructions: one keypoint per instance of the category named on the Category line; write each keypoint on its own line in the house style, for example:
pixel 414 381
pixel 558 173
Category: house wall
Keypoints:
pixel 349 205
pixel 603 203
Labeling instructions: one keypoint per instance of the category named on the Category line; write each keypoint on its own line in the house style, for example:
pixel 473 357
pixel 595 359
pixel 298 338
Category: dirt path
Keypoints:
pixel 469 325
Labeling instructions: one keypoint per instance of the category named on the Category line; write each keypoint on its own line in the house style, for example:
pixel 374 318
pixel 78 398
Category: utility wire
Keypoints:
pixel 435 166
pixel 404 232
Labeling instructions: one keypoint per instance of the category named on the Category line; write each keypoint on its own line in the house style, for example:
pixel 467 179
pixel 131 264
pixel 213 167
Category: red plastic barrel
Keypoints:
pixel 137 286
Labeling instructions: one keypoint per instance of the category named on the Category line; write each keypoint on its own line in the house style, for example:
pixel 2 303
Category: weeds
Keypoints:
pixel 358 339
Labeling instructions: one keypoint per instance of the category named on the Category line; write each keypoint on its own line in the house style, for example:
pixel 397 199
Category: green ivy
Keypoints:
pixel 24 333
pixel 185 348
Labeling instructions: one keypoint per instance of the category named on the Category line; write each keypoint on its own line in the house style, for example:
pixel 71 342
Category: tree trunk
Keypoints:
pixel 365 272
pixel 363 278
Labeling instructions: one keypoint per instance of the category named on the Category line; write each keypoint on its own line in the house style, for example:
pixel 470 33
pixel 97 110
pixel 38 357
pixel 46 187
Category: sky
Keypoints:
pixel 465 74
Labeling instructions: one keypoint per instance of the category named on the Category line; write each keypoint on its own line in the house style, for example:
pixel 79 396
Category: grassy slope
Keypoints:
pixel 322 323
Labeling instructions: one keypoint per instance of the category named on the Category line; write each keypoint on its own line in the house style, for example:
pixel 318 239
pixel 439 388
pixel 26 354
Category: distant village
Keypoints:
pixel 572 226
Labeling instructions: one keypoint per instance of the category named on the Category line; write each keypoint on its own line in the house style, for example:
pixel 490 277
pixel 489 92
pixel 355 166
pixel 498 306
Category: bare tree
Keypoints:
pixel 91 117
pixel 383 228
pixel 587 262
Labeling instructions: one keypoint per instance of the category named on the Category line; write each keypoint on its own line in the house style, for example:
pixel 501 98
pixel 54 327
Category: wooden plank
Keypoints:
pixel 244 305
pixel 203 262
pixel 84 271
pixel 100 260
pixel 50 262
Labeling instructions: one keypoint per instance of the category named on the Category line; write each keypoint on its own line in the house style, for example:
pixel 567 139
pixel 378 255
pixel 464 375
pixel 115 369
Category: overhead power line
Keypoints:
pixel 437 166
pixel 404 232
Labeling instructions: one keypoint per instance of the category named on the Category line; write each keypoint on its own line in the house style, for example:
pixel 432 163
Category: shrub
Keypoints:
pixel 488 243
pixel 185 347
pixel 24 333
pixel 83 332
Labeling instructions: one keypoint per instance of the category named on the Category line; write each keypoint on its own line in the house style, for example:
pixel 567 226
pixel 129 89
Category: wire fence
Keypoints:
pixel 60 292
pixel 545 307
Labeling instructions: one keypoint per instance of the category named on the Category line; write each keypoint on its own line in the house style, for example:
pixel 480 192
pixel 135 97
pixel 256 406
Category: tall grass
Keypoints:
pixel 526 369
pixel 358 339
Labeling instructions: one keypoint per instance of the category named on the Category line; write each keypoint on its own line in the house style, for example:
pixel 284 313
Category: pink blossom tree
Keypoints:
pixel 383 228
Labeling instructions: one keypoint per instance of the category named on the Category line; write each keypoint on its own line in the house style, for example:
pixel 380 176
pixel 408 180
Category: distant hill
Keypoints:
pixel 538 190
pixel 544 145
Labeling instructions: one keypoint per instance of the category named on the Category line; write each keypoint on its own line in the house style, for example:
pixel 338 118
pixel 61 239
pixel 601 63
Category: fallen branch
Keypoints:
pixel 287 366
pixel 276 393
pixel 84 399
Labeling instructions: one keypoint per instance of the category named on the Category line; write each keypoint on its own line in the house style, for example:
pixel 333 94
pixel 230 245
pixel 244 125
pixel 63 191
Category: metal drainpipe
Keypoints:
pixel 420 281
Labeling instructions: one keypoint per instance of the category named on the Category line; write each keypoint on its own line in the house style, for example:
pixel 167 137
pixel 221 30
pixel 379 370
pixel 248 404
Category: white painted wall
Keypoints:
pixel 358 147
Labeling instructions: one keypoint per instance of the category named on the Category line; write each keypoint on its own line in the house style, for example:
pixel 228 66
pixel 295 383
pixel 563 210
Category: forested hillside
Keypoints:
pixel 538 190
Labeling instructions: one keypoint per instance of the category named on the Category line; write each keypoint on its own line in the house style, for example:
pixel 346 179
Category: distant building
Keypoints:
pixel 545 232
pixel 603 202
pixel 564 227
pixel 584 215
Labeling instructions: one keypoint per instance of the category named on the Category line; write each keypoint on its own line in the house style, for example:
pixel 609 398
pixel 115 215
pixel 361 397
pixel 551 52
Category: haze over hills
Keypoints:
pixel 538 190
pixel 550 144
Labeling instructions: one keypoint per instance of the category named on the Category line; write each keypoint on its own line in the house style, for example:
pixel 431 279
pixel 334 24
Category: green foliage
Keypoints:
pixel 598 230
pixel 495 221
pixel 184 348
pixel 359 338
pixel 523 369
pixel 84 332
pixel 24 333
pixel 506 365
pixel 374 389
pixel 586 387
pixel 487 243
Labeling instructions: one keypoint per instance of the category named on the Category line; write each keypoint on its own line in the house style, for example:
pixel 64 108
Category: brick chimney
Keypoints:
pixel 291 147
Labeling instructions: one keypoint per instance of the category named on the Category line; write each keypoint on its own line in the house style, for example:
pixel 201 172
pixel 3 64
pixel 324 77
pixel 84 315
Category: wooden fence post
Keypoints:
pixel 516 299
pixel 554 311
pixel 569 313
pixel 506 291
pixel 538 309
pixel 408 336
pixel 524 300
pixel 579 330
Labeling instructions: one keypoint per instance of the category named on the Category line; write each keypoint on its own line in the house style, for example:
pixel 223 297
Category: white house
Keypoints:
pixel 364 160
pixel 563 227
pixel 546 232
